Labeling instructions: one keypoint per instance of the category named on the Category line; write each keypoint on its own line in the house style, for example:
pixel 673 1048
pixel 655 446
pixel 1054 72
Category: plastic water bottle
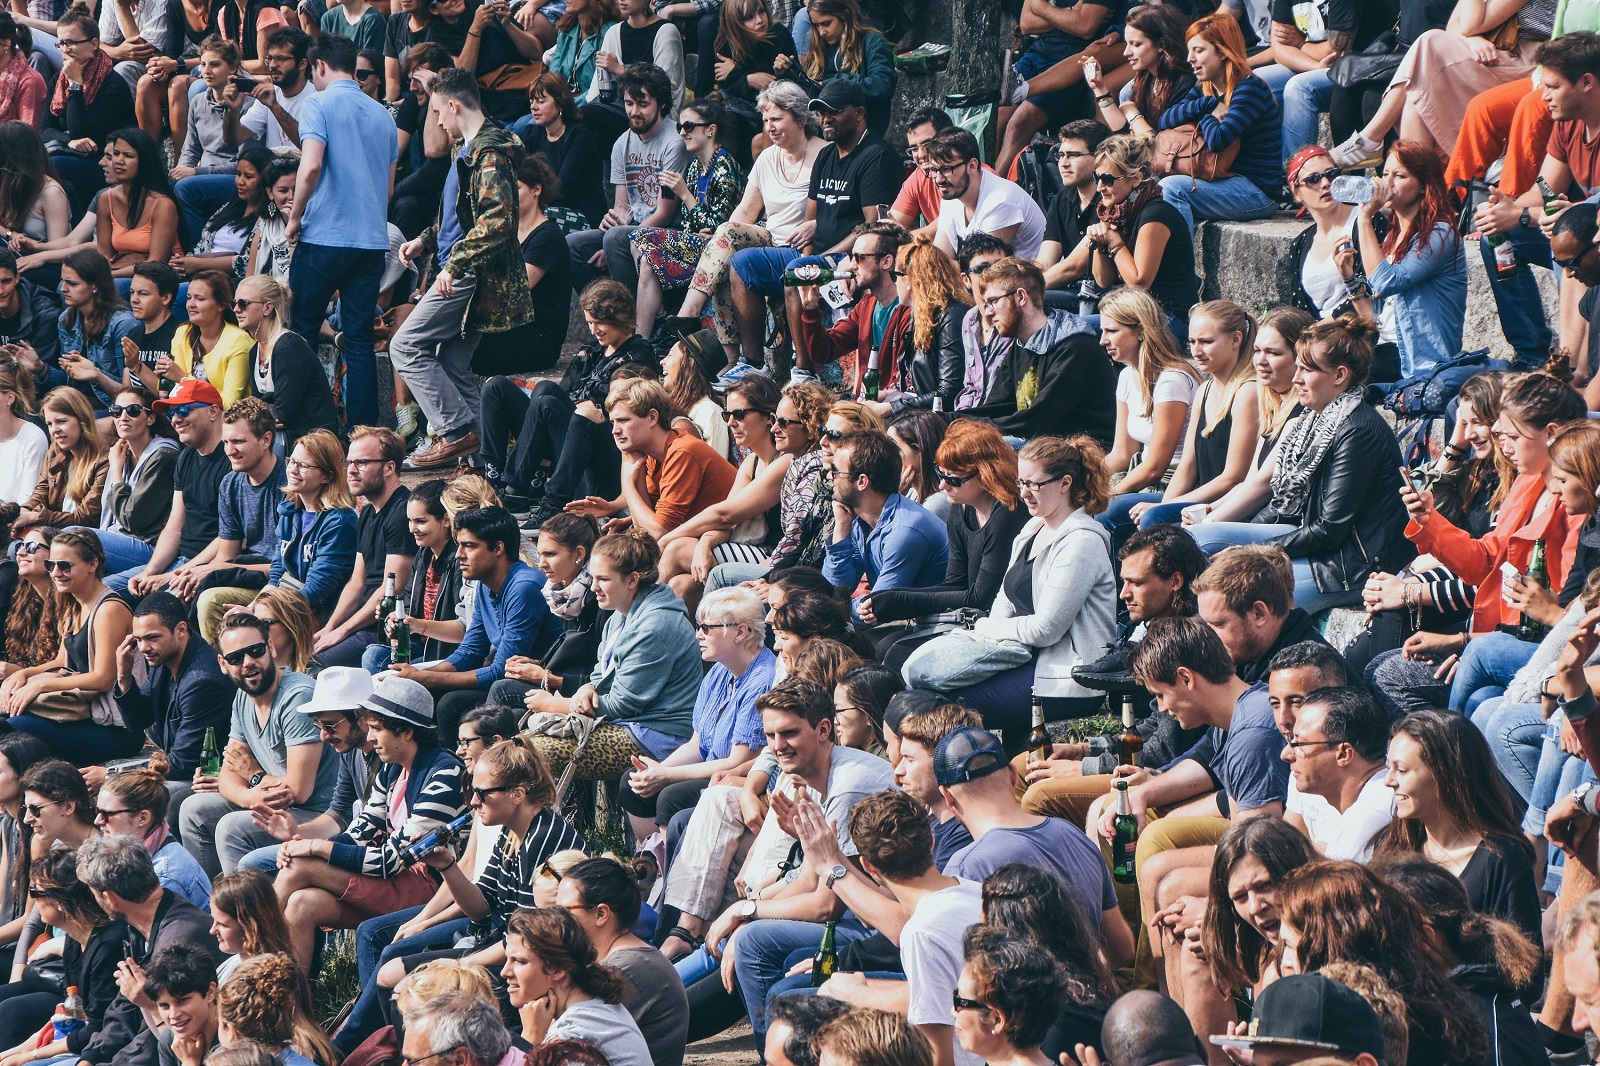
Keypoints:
pixel 70 1015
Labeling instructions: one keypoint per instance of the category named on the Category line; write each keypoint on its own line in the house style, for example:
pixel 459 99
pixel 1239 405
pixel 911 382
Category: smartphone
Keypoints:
pixel 244 84
pixel 1508 575
pixel 1351 189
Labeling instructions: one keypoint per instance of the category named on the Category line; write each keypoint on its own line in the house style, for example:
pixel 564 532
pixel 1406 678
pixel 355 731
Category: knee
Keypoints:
pixel 391 973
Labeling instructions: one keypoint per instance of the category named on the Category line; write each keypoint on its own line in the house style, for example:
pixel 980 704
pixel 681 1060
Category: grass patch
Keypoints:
pixel 335 982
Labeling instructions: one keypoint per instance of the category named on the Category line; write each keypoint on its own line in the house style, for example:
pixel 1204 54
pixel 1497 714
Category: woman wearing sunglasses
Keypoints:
pixel 284 371
pixel 1141 240
pixel 1326 250
pixel 32 636
pixel 56 808
pixel 67 701
pixel 1006 999
pixel 134 803
pixel 138 493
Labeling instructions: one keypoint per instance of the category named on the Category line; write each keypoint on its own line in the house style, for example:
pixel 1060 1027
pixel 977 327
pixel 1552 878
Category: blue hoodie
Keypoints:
pixel 322 556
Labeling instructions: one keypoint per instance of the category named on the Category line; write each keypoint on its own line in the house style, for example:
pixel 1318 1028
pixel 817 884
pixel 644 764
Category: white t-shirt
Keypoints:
pixel 21 459
pixel 783 201
pixel 1322 281
pixel 930 948
pixel 1345 836
pixel 1172 386
pixel 264 124
pixel 1001 204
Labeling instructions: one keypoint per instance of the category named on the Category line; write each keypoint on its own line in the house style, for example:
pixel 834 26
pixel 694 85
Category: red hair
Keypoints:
pixel 1222 33
pixel 1423 163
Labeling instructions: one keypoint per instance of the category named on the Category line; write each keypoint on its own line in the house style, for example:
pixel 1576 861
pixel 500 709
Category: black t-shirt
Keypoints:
pixel 383 533
pixel 154 344
pixel 1175 286
pixel 546 247
pixel 639 45
pixel 576 160
pixel 452 35
pixel 199 478
pixel 398 36
pixel 1371 18
pixel 1065 224
pixel 870 174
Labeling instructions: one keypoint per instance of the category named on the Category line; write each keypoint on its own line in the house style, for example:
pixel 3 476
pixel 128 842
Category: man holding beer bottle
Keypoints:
pixel 874 333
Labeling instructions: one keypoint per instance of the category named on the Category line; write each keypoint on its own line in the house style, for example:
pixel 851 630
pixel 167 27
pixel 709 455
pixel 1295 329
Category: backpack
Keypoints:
pixel 1430 393
pixel 1038 174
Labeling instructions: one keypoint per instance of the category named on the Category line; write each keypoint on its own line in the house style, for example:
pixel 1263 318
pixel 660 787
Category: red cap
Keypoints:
pixel 190 390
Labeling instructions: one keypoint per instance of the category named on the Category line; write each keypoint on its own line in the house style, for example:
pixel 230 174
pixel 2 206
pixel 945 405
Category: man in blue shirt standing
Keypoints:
pixel 340 218
pixel 510 617
pixel 897 542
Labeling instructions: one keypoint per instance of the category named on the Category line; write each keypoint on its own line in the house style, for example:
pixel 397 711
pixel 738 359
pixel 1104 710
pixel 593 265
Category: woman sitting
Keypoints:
pixel 203 177
pixel 211 346
pixel 225 238
pixel 269 251
pixel 139 469
pixel 579 32
pixel 86 105
pixel 433 595
pixel 648 676
pixel 267 999
pixel 316 523
pixel 1141 240
pixel 1156 51
pixel 1155 393
pixel 137 220
pixel 1418 270
pixel 1325 249
pixel 1330 476
pixel 800 620
pixel 727 727
pixel 708 190
pixel 561 990
pixel 246 919
pixel 290 625
pixel 134 803
pixel 90 331
pixel 1228 106
pixel 22 443
pixel 844 46
pixel 71 487
pixel 1056 606
pixel 33 631
pixel 32 202
pixel 685 371
pixel 752 51
pixel 1006 997
pixel 553 132
pixel 917 433
pixel 1452 807
pixel 564 549
pixel 25 90
pixel 67 701
pixel 931 377
pixel 284 371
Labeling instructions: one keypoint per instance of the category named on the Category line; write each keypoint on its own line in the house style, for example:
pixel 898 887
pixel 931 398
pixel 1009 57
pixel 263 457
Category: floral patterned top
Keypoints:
pixel 806 492
pixel 717 192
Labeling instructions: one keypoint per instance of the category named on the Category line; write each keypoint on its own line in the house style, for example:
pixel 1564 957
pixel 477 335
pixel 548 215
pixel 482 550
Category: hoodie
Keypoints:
pixel 649 668
pixel 321 556
pixel 138 505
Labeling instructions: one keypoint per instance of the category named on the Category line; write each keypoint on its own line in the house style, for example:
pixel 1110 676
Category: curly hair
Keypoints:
pixel 812 402
pixel 267 999
pixel 1018 978
pixel 935 285
pixel 609 302
pixel 1030 903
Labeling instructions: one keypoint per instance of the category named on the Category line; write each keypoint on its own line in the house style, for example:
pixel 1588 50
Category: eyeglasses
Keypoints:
pixel 30 547
pixel 185 410
pixel 834 434
pixel 1298 744
pixel 485 793
pixel 706 627
pixel 990 301
pixel 1034 486
pixel 1060 154
pixel 685 127
pixel 35 809
pixel 61 566
pixel 353 463
pixel 737 414
pixel 961 1002
pixel 1321 177
pixel 948 168
pixel 363 75
pixel 425 1058
pixel 1107 179
pixel 64 42
pixel 254 651
pixel 955 481
pixel 297 466
pixel 463 743
pixel 103 815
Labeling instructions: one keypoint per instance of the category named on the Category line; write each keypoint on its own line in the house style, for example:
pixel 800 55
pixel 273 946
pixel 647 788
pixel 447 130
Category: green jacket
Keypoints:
pixel 488 248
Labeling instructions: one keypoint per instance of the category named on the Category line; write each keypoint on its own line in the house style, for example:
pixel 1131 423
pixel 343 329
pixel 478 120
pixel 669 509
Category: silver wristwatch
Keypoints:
pixel 833 875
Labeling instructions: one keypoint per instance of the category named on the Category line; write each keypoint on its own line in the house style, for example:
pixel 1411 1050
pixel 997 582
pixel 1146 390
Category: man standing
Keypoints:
pixel 979 201
pixel 274 756
pixel 638 159
pixel 877 323
pixel 478 283
pixel 195 410
pixel 384 545
pixel 284 92
pixel 1338 767
pixel 339 222
pixel 896 542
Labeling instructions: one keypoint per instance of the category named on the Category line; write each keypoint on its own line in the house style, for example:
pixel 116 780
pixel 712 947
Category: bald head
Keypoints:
pixel 1144 1028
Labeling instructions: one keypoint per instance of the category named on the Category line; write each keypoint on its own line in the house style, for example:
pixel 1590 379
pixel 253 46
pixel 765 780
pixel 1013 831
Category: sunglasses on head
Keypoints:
pixel 63 566
pixel 736 414
pixel 132 410
pixel 237 658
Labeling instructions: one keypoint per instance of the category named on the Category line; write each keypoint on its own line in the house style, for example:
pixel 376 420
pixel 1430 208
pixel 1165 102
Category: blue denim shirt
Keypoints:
pixel 1429 289
pixel 908 548
pixel 104 352
pixel 178 872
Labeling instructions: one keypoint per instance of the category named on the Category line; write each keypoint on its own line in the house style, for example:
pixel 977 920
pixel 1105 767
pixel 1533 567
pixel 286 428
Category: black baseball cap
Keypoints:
pixel 838 95
pixel 1313 1012
pixel 968 754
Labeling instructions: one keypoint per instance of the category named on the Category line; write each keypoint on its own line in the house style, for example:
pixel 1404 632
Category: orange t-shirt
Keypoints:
pixel 690 477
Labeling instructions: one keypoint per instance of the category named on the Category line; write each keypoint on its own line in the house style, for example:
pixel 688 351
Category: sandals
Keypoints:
pixel 687 937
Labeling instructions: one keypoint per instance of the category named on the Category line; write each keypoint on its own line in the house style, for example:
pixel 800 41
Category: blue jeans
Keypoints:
pixel 1303 99
pixel 1116 520
pixel 1516 737
pixel 374 947
pixel 315 274
pixel 263 860
pixel 1517 297
pixel 118 582
pixel 81 743
pixel 1557 775
pixel 199 197
pixel 1232 199
pixel 800 983
pixel 761 269
pixel 802 31
pixel 351 650
pixel 1487 666
pixel 122 551
pixel 1276 75
pixel 761 951
pixel 1212 537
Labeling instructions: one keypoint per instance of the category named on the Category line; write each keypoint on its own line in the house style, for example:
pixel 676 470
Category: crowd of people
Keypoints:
pixel 609 691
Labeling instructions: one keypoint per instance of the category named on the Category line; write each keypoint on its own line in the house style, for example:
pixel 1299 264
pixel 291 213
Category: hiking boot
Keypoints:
pixel 1109 673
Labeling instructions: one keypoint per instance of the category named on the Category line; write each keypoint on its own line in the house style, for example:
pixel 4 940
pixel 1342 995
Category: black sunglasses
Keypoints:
pixel 29 547
pixel 685 127
pixel 955 481
pixel 785 423
pixel 1321 177
pixel 961 1002
pixel 1106 179
pixel 363 75
pixel 62 565
pixel 734 414
pixel 132 410
pixel 237 658
pixel 484 793
pixel 977 269
pixel 1569 264
pixel 833 434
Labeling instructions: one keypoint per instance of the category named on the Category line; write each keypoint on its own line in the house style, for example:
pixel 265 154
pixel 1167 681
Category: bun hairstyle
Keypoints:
pixel 1539 399
pixel 633 552
pixel 1334 342
pixel 1082 459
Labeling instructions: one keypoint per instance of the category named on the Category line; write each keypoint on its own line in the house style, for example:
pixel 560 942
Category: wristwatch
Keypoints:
pixel 833 875
pixel 257 777
pixel 1526 222
pixel 1580 796
pixel 747 911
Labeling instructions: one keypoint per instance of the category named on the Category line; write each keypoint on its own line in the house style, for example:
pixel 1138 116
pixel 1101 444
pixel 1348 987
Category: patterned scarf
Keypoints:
pixel 566 601
pixel 94 75
pixel 1304 450
pixel 1122 216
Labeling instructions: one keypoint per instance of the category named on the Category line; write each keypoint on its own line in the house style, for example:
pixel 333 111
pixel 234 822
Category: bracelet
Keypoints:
pixel 1452 451
pixel 1105 101
pixel 1358 287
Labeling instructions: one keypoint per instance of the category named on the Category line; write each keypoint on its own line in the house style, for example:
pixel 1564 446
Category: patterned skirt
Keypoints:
pixel 671 254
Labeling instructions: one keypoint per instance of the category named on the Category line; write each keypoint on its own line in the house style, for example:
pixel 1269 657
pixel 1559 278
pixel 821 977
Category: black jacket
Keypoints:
pixel 1354 523
pixel 979 556
pixel 1297 626
pixel 1076 393
pixel 112 110
pixel 302 399
pixel 935 371
pixel 444 606
pixel 177 712
pixel 93 968
pixel 36 321
pixel 588 374
pixel 576 650
pixel 1505 1015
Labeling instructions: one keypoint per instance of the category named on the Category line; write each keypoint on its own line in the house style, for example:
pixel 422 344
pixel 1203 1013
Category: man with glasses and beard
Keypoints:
pixel 979 202
pixel 274 756
pixel 283 92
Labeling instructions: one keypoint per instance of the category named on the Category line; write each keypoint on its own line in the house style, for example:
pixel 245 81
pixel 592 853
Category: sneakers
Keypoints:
pixel 408 420
pixel 1357 152
pixel 1109 673
pixel 542 514
pixel 437 451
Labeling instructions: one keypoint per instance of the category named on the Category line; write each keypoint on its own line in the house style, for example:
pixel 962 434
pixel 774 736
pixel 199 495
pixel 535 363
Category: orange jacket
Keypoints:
pixel 1519 524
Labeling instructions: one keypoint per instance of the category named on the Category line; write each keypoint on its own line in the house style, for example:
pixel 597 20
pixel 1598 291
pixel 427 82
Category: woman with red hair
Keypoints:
pixel 1416 273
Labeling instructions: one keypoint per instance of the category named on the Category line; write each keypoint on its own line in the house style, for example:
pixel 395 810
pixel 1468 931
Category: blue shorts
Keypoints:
pixel 761 269
pixel 1045 53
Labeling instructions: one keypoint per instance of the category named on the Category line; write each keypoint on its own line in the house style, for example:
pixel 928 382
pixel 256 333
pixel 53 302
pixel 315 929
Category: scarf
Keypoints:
pixel 11 84
pixel 566 601
pixel 94 75
pixel 157 839
pixel 1122 216
pixel 1304 450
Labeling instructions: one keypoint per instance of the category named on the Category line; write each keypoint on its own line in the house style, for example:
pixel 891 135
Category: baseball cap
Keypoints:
pixel 966 755
pixel 838 95
pixel 403 699
pixel 190 390
pixel 339 688
pixel 1313 1012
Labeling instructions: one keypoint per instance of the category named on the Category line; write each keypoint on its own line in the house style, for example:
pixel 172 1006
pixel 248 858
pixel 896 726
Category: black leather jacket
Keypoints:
pixel 1354 522
pixel 937 370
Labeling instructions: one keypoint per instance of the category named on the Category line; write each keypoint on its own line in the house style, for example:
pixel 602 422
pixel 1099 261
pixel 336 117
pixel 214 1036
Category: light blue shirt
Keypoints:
pixel 908 548
pixel 350 207
pixel 449 219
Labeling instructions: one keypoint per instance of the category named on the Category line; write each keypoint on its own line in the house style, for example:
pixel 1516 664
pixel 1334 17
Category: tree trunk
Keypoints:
pixel 978 37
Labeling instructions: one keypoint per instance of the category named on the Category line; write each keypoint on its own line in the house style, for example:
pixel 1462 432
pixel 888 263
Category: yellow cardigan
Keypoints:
pixel 226 366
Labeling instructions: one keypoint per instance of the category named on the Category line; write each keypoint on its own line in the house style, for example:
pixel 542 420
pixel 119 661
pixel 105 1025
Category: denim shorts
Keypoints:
pixel 761 269
pixel 1045 53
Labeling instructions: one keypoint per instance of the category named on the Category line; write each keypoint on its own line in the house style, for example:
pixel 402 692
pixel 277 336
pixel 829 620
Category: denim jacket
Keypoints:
pixel 322 557
pixel 1429 289
pixel 104 351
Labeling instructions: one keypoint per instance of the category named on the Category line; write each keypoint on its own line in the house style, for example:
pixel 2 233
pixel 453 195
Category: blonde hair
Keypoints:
pixel 518 763
pixel 433 979
pixel 328 456
pixel 267 999
pixel 858 415
pixel 736 605
pixel 276 293
pixel 641 396
pixel 1233 319
pixel 468 494
pixel 16 378
pixel 1158 348
pixel 545 879
pixel 851 53
pixel 1082 459
pixel 1288 323
pixel 869 1037
pixel 86 453
pixel 1129 154
pixel 293 612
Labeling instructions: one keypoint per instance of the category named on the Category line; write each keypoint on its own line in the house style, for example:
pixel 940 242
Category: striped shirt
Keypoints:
pixel 507 882
pixel 394 814
pixel 1253 119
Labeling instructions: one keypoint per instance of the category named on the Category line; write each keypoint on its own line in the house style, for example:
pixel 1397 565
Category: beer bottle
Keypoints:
pixel 808 274
pixel 1124 838
pixel 1530 629
pixel 869 381
pixel 1039 746
pixel 826 961
pixel 1551 206
pixel 400 636
pixel 386 608
pixel 1505 256
pixel 1130 743
pixel 210 757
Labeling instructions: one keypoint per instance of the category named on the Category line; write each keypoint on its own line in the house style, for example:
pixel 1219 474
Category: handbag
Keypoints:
pixel 1182 150
pixel 962 658
pixel 1505 36
pixel 1376 62
pixel 64 705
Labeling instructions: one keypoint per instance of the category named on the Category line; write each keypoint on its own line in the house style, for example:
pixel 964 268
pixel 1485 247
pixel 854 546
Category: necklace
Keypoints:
pixel 798 167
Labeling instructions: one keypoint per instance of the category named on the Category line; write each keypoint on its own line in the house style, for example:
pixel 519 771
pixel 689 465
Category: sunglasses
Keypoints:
pixel 485 793
pixel 739 414
pixel 961 1002
pixel 979 269
pixel 240 305
pixel 185 410
pixel 254 651
pixel 132 410
pixel 103 815
pixel 31 547
pixel 62 566
pixel 706 627
pixel 785 423
pixel 1106 179
pixel 834 434
pixel 35 809
pixel 546 870
pixel 685 127
pixel 1321 177
pixel 955 481
pixel 363 75
pixel 1569 264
